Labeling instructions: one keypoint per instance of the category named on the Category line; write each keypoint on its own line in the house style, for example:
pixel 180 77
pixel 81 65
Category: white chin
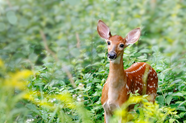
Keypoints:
pixel 111 59
pixel 117 60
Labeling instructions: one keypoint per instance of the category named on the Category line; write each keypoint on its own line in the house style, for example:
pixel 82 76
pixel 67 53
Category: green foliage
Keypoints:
pixel 57 40
pixel 46 106
pixel 144 112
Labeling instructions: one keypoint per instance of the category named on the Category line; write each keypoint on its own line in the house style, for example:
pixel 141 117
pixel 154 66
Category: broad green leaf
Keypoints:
pixel 11 16
pixel 168 99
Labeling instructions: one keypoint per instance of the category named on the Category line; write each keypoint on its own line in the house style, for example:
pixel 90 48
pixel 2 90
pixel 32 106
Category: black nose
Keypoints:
pixel 112 55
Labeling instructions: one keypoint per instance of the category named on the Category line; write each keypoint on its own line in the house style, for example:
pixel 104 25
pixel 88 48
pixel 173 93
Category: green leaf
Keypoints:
pixel 179 94
pixel 182 114
pixel 182 108
pixel 11 16
pixel 33 57
pixel 74 52
pixel 101 55
pixel 172 120
pixel 32 107
pixel 168 99
pixel 145 51
pixel 160 100
pixel 3 26
pixel 96 80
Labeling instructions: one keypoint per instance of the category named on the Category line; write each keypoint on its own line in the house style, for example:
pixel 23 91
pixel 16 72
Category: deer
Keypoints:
pixel 120 83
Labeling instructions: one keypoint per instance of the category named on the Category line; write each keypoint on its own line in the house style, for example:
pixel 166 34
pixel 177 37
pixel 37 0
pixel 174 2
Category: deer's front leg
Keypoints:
pixel 109 108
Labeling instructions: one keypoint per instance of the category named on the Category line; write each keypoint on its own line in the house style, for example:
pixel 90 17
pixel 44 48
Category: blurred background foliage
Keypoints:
pixel 58 41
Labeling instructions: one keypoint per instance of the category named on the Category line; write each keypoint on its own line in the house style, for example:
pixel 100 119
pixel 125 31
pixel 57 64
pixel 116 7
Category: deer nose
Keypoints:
pixel 112 55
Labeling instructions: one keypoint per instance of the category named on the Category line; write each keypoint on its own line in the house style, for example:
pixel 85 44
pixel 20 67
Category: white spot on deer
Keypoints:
pixel 127 86
pixel 138 69
pixel 156 76
pixel 150 86
pixel 150 71
pixel 138 88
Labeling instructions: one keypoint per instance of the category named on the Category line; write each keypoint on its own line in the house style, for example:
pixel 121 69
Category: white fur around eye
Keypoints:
pixel 107 43
pixel 121 48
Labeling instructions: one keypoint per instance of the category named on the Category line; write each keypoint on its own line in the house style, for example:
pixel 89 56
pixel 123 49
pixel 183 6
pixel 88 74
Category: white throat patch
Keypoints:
pixel 117 60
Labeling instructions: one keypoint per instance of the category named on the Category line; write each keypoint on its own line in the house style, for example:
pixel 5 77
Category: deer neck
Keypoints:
pixel 116 78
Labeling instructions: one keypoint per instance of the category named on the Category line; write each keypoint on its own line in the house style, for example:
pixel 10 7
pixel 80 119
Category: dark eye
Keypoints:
pixel 108 42
pixel 121 45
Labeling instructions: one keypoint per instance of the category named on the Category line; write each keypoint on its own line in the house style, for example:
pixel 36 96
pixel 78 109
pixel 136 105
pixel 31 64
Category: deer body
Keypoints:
pixel 120 83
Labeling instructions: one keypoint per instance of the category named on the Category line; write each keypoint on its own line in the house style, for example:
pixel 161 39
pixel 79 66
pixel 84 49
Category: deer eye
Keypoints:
pixel 108 42
pixel 121 45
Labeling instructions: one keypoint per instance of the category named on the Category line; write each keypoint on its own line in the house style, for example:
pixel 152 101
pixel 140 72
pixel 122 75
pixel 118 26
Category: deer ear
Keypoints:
pixel 133 36
pixel 103 30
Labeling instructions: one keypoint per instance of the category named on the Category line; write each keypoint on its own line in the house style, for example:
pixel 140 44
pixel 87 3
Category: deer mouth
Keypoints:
pixel 116 59
pixel 112 55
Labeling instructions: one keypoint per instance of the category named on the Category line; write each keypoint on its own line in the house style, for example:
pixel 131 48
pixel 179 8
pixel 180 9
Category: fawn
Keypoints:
pixel 120 83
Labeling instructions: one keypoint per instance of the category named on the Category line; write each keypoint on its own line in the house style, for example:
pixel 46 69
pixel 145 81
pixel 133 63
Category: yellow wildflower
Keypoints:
pixel 1 63
pixel 67 99
pixel 17 80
